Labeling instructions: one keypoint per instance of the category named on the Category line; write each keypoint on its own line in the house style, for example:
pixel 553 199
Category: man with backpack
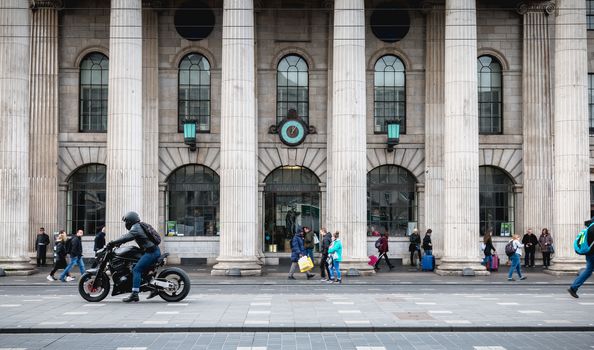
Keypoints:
pixel 382 247
pixel 583 246
pixel 148 240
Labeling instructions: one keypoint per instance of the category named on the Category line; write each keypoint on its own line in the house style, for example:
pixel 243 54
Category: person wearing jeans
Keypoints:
pixel 336 251
pixel 579 281
pixel 326 240
pixel 76 256
pixel 515 259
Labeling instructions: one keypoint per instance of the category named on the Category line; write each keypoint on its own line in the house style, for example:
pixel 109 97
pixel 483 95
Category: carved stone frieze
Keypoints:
pixel 548 7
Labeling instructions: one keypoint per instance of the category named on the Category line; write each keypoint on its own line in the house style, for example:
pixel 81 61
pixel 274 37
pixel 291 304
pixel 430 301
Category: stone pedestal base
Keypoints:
pixel 237 267
pixel 17 266
pixel 451 267
pixel 565 266
pixel 360 265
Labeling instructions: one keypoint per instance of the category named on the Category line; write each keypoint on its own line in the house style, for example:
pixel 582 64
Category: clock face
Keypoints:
pixel 292 132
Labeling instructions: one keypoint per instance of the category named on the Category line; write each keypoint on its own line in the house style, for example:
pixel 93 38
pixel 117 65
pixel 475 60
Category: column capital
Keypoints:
pixel 429 6
pixel 51 4
pixel 152 4
pixel 545 7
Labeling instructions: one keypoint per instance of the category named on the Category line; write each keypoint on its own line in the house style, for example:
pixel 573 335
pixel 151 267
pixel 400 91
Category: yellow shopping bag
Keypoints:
pixel 305 264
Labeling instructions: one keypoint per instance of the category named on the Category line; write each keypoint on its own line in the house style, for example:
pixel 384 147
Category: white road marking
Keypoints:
pixel 370 348
pixel 343 303
pixel 507 304
pixel 73 313
pixel 357 322
pixel 349 311
pixel 259 312
pixel 260 304
pixel 167 313
pixel 155 322
pixel 256 322
pixel 489 348
pixel 10 305
pixel 439 312
pixel 530 312
pixel 457 321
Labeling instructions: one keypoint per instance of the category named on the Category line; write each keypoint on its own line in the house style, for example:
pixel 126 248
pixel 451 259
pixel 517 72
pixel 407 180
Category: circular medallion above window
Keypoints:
pixel 194 20
pixel 390 22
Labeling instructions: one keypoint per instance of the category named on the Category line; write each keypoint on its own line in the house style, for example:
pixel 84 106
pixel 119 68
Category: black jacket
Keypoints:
pixel 137 234
pixel 76 249
pixel 60 250
pixel 530 242
pixel 591 239
pixel 489 248
pixel 99 241
pixel 42 239
pixel 427 245
pixel 326 241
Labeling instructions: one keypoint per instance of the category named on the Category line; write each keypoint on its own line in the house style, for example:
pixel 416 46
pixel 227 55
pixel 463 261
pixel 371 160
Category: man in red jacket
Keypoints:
pixel 383 252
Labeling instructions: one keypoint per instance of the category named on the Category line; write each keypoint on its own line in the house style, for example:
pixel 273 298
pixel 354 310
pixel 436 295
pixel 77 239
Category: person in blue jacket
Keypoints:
pixel 335 251
pixel 297 251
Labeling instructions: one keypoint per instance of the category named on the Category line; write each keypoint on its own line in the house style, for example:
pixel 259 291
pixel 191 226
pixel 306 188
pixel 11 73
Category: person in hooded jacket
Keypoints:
pixel 579 281
pixel 151 252
pixel 297 251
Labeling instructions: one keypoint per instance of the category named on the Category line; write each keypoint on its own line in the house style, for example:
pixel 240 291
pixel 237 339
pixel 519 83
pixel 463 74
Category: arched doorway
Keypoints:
pixel 86 199
pixel 291 200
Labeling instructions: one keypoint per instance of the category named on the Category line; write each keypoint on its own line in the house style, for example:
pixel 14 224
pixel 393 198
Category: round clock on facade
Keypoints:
pixel 292 132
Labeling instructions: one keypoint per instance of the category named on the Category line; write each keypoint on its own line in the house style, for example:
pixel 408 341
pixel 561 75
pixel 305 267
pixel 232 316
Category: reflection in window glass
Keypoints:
pixel 590 13
pixel 94 77
pixel 389 93
pixel 391 200
pixel 194 92
pixel 591 101
pixel 496 200
pixel 86 199
pixel 292 88
pixel 193 206
pixel 490 98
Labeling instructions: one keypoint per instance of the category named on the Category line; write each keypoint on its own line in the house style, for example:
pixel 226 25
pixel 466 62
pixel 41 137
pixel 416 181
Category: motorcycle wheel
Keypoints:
pixel 181 284
pixel 88 293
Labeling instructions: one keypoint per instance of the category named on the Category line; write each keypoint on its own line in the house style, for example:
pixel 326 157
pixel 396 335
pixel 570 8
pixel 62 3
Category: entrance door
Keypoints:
pixel 291 201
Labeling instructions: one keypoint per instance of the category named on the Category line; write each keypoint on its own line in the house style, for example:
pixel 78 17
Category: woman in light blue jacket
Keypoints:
pixel 335 251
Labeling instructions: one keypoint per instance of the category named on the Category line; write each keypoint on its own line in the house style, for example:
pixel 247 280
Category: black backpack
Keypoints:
pixel 151 233
pixel 510 250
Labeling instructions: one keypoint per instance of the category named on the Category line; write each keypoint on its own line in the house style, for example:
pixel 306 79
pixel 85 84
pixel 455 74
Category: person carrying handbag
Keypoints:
pixel 546 247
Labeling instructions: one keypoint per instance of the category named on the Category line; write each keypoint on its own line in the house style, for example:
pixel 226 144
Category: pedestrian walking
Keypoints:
pixel 335 251
pixel 415 246
pixel 297 251
pixel 308 242
pixel 59 256
pixel 546 247
pixel 325 244
pixel 515 258
pixel 383 252
pixel 76 255
pixel 98 244
pixel 488 249
pixel 579 281
pixel 530 241
pixel 427 244
pixel 41 244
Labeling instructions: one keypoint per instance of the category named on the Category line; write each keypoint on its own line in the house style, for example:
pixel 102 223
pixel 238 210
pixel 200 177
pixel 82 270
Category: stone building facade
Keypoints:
pixel 491 97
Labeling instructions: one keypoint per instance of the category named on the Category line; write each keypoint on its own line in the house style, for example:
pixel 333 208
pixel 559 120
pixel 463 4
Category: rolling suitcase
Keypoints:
pixel 494 265
pixel 372 260
pixel 428 263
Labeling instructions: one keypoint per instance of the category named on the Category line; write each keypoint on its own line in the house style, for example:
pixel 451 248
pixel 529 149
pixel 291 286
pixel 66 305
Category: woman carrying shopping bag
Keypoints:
pixel 297 251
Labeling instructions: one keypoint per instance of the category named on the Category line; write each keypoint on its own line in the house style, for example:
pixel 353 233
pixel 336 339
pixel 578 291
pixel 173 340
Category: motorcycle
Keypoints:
pixel 172 284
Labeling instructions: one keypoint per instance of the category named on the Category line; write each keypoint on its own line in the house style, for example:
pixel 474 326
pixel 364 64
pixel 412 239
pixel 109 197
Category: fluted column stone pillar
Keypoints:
pixel 15 43
pixel 571 143
pixel 434 123
pixel 537 112
pixel 239 144
pixel 150 115
pixel 124 124
pixel 461 164
pixel 348 171
pixel 43 127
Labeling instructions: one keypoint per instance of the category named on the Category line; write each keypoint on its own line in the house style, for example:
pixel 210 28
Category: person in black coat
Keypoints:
pixel 41 244
pixel 325 244
pixel 99 240
pixel 76 255
pixel 530 241
pixel 297 251
pixel 414 246
pixel 60 256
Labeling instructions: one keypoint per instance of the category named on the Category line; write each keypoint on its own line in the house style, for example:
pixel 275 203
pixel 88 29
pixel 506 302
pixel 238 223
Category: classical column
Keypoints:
pixel 571 151
pixel 150 115
pixel 239 144
pixel 124 123
pixel 14 135
pixel 348 170
pixel 43 128
pixel 461 165
pixel 434 123
pixel 537 110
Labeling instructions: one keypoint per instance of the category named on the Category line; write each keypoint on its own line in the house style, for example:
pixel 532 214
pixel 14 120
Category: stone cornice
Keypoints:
pixel 547 7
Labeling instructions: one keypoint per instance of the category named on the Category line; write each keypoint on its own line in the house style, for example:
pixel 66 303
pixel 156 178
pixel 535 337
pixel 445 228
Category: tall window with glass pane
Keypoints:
pixel 389 93
pixel 391 200
pixel 496 200
pixel 590 14
pixel 193 201
pixel 86 199
pixel 194 92
pixel 490 97
pixel 94 77
pixel 591 102
pixel 292 88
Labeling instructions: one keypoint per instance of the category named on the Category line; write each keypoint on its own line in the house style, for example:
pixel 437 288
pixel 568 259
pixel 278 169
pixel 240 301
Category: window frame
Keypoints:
pixel 492 88
pixel 298 101
pixel 591 103
pixel 590 14
pixel 511 200
pixel 181 118
pixel 383 128
pixel 73 187
pixel 103 99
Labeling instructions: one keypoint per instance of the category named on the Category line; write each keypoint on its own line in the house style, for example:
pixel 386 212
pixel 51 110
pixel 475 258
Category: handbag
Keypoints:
pixel 329 260
pixel 305 263
pixel 316 239
pixel 551 249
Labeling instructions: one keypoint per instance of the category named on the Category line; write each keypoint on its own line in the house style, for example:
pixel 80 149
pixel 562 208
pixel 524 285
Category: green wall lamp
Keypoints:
pixel 190 134
pixel 393 127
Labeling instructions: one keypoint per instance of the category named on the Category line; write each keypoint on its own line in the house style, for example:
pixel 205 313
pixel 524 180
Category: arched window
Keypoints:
pixel 86 199
pixel 496 201
pixel 490 95
pixel 193 98
pixel 94 77
pixel 193 201
pixel 292 88
pixel 391 200
pixel 389 93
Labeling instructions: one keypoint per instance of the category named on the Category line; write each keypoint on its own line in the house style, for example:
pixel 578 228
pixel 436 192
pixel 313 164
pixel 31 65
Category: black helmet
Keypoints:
pixel 589 221
pixel 130 219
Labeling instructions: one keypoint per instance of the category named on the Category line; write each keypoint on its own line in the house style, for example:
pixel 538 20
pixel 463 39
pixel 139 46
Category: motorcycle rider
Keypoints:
pixel 150 256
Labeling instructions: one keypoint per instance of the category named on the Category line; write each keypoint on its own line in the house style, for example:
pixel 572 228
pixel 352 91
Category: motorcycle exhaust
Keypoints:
pixel 162 284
